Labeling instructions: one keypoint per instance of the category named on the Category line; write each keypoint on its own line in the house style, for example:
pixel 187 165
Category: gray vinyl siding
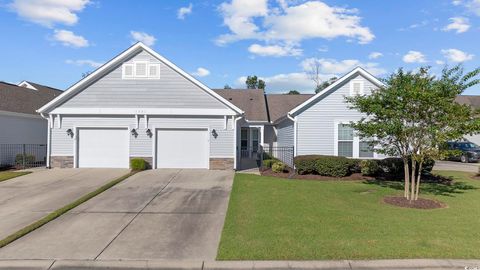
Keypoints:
pixel 172 90
pixel 22 130
pixel 316 124
pixel 269 136
pixel 285 135
pixel 141 146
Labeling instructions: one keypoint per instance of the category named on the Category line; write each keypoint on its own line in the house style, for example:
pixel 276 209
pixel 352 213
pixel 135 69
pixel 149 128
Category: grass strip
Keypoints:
pixel 9 175
pixel 57 213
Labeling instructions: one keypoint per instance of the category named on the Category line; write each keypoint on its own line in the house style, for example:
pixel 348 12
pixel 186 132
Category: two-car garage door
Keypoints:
pixel 174 148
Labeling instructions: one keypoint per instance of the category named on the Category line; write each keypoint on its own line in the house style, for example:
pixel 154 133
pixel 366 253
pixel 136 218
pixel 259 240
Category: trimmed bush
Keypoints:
pixel 354 164
pixel 333 166
pixel 394 166
pixel 306 164
pixel 267 163
pixel 370 167
pixel 279 167
pixel 138 164
pixel 29 159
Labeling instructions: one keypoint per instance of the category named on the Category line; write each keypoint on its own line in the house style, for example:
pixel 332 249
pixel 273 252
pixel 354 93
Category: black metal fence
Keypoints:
pixel 282 153
pixel 22 156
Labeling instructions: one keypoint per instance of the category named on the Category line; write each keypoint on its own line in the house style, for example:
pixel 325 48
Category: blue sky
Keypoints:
pixel 53 42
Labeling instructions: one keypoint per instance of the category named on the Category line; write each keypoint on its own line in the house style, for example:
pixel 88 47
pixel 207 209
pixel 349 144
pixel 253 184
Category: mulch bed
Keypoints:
pixel 418 204
pixel 352 177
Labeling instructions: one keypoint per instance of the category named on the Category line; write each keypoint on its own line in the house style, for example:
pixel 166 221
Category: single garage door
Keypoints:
pixel 182 148
pixel 103 148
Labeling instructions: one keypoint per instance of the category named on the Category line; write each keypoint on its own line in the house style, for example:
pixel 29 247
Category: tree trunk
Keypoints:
pixel 412 179
pixel 407 177
pixel 418 179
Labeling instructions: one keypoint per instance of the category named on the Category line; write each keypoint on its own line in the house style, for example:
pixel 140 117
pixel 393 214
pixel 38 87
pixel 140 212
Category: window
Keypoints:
pixel 366 149
pixel 244 139
pixel 255 139
pixel 127 70
pixel 141 70
pixel 356 88
pixel 345 140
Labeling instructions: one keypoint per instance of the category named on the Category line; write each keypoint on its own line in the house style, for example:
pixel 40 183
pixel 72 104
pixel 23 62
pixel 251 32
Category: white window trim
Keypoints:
pixel 133 65
pixel 362 84
pixel 356 141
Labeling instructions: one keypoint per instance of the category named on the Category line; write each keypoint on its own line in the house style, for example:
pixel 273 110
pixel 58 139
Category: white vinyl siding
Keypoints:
pixel 285 136
pixel 141 146
pixel 22 130
pixel 316 131
pixel 172 90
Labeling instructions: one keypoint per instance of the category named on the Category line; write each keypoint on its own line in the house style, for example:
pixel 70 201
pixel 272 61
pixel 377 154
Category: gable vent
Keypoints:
pixel 356 88
pixel 141 70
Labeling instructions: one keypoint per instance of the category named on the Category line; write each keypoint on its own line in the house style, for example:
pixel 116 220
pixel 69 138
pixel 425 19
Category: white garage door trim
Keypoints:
pixel 76 143
pixel 154 144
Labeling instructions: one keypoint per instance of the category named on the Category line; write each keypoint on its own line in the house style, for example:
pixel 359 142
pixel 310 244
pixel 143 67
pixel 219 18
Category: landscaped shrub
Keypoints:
pixel 333 166
pixel 354 164
pixel 306 164
pixel 395 166
pixel 138 164
pixel 370 167
pixel 267 163
pixel 29 159
pixel 279 167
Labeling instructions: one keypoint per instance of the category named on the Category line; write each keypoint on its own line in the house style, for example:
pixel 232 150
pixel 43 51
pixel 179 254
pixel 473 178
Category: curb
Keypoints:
pixel 424 264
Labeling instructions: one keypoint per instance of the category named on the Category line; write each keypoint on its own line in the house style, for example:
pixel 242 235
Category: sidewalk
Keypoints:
pixel 423 264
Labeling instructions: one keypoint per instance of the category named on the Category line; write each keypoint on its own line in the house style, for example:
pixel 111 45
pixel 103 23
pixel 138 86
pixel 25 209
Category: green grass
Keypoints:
pixel 5 175
pixel 57 213
pixel 277 219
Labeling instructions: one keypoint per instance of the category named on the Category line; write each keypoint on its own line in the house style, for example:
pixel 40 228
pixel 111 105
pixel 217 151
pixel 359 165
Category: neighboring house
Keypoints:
pixel 140 105
pixel 473 101
pixel 20 123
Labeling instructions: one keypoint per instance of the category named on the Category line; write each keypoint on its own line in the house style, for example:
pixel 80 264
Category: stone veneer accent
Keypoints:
pixel 61 161
pixel 221 163
pixel 147 159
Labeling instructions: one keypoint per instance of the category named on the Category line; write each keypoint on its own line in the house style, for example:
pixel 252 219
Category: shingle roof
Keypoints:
pixel 280 104
pixel 473 101
pixel 251 101
pixel 18 99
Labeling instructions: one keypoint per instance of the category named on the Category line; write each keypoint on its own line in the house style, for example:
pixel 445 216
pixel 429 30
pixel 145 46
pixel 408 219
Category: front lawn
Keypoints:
pixel 277 219
pixel 5 175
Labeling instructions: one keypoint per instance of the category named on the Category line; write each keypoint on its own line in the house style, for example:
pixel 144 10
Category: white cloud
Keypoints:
pixel 149 40
pixel 456 2
pixel 458 24
pixel 68 38
pixel 439 62
pixel 184 11
pixel 470 5
pixel 49 12
pixel 201 72
pixel 252 19
pixel 332 66
pixel 375 55
pixel 455 55
pixel 414 57
pixel 274 50
pixel 86 62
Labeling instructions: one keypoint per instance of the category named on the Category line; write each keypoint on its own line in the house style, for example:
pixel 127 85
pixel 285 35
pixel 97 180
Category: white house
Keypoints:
pixel 21 125
pixel 141 105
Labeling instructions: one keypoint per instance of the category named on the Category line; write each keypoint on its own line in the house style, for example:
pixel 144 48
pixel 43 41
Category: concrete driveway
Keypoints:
pixel 442 165
pixel 25 199
pixel 155 214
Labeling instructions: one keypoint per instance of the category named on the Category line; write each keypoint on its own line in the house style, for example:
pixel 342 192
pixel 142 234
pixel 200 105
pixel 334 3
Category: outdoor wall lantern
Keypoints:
pixel 149 133
pixel 214 133
pixel 70 132
pixel 134 132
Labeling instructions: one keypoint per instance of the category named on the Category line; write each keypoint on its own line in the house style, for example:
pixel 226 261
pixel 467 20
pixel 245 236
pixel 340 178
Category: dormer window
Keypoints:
pixel 356 88
pixel 141 70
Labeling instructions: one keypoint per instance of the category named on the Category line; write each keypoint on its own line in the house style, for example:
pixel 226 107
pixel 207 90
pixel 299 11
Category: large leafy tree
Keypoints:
pixel 253 82
pixel 414 114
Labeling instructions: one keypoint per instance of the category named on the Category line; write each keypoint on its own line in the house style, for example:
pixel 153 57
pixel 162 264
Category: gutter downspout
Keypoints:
pixel 49 131
pixel 294 119
pixel 235 153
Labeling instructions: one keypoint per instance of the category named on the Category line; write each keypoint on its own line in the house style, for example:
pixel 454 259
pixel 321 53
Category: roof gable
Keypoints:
pixel 334 86
pixel 19 99
pixel 116 63
pixel 251 101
